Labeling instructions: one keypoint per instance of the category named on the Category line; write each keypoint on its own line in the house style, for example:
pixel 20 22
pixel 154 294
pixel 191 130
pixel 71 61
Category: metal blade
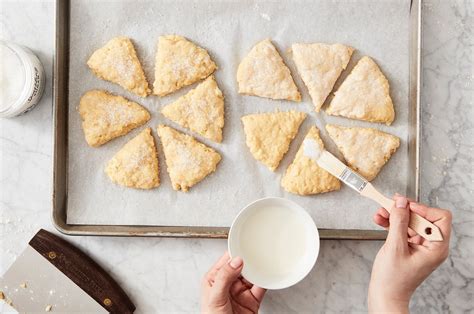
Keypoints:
pixel 33 284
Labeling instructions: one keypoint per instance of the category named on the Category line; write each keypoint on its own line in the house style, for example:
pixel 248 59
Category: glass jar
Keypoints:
pixel 22 79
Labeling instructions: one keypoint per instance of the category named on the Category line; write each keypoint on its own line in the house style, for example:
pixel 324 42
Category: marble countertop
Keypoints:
pixel 163 275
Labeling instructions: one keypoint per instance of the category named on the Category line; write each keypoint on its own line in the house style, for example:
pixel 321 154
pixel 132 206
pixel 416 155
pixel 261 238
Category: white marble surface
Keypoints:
pixel 163 275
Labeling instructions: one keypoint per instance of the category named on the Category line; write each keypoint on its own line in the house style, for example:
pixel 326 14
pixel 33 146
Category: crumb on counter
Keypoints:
pixel 48 308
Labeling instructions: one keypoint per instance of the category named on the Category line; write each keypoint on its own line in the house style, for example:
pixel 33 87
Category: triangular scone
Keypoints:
pixel 179 63
pixel 188 161
pixel 136 164
pixel 106 116
pixel 304 176
pixel 118 63
pixel 366 150
pixel 319 65
pixel 200 110
pixel 263 73
pixel 364 95
pixel 268 135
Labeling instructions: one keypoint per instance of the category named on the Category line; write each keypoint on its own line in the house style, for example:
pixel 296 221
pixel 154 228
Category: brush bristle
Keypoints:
pixel 330 163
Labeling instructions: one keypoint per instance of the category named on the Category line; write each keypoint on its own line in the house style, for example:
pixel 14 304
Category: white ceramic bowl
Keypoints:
pixel 256 274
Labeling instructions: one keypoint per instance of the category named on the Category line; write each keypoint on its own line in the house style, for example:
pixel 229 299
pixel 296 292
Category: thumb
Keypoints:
pixel 226 276
pixel 398 230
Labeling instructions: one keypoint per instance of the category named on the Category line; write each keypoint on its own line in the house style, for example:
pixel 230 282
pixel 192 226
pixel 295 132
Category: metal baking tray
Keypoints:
pixel 60 145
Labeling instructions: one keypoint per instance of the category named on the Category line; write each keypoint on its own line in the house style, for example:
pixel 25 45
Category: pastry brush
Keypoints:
pixel 334 166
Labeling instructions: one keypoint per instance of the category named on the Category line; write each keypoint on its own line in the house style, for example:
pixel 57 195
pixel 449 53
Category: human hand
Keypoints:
pixel 225 291
pixel 406 259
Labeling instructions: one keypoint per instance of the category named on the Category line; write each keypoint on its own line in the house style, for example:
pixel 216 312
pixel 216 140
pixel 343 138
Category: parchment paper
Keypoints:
pixel 228 30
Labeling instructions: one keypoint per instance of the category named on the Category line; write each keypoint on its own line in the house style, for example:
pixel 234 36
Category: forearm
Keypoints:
pixel 378 303
pixel 388 307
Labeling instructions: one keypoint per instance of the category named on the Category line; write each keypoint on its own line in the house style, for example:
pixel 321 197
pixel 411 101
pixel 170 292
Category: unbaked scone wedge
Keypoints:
pixel 364 95
pixel 319 66
pixel 304 176
pixel 106 116
pixel 268 135
pixel 188 161
pixel 179 63
pixel 136 164
pixel 118 63
pixel 201 110
pixel 263 73
pixel 365 150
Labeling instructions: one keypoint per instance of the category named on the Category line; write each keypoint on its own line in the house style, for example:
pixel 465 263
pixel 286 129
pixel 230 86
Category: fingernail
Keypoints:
pixel 401 202
pixel 236 262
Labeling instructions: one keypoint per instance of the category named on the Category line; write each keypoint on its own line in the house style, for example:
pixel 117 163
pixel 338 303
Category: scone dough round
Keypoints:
pixel 179 63
pixel 188 161
pixel 319 66
pixel 364 95
pixel 118 63
pixel 106 116
pixel 201 110
pixel 366 150
pixel 263 73
pixel 304 176
pixel 136 164
pixel 268 135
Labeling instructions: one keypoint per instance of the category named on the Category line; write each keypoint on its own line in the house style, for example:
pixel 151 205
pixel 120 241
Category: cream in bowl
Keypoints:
pixel 278 241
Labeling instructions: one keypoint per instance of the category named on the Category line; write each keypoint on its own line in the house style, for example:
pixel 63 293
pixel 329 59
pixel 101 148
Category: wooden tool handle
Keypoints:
pixel 417 223
pixel 83 271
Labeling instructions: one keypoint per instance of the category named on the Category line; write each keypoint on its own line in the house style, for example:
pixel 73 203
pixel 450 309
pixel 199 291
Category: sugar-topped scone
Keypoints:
pixel 179 63
pixel 200 110
pixel 118 63
pixel 136 164
pixel 304 176
pixel 263 73
pixel 364 95
pixel 188 161
pixel 319 66
pixel 106 116
pixel 366 150
pixel 268 135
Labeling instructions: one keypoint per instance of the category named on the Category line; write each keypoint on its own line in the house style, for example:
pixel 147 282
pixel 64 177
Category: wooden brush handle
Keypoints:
pixel 417 223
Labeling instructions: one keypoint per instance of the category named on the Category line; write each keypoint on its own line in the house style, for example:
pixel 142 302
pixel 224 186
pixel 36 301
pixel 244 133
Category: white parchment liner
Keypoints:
pixel 228 29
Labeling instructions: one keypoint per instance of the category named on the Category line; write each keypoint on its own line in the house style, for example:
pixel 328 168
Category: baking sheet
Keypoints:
pixel 228 29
